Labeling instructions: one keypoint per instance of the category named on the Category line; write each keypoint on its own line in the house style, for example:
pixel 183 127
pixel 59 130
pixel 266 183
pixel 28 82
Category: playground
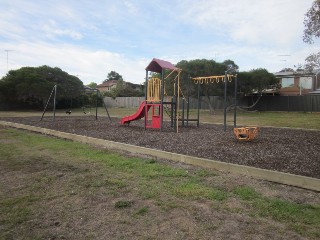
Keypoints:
pixel 294 151
pixel 140 198
pixel 287 150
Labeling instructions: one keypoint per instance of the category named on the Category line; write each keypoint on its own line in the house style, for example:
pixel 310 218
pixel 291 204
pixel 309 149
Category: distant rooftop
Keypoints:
pixel 286 72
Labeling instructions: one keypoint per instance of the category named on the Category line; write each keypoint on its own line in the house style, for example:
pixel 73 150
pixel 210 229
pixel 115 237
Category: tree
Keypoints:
pixel 30 86
pixel 113 75
pixel 312 30
pixel 119 88
pixel 202 68
pixel 256 81
pixel 92 85
pixel 312 62
pixel 312 23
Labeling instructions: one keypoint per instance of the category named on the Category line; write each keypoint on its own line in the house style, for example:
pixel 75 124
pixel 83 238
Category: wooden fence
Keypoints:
pixel 307 103
pixel 134 102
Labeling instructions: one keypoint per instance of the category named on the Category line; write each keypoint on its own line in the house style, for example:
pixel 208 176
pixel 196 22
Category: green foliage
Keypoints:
pixel 124 89
pixel 312 23
pixel 256 81
pixel 311 31
pixel 201 68
pixel 92 85
pixel 30 87
pixel 113 75
pixel 312 62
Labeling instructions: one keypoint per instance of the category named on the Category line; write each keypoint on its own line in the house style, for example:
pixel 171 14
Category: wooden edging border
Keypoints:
pixel 263 174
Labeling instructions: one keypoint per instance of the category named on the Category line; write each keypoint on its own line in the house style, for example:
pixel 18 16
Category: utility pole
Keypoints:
pixel 7 50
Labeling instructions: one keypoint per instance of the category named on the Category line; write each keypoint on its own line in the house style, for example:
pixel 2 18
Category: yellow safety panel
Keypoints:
pixel 154 88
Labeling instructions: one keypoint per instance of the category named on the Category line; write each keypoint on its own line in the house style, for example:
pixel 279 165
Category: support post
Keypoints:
pixel 174 115
pixel 172 112
pixel 161 99
pixel 235 102
pixel 198 104
pixel 45 108
pixel 54 102
pixel 178 102
pixel 105 106
pixel 183 111
pixel 96 104
pixel 146 96
pixel 188 100
pixel 225 103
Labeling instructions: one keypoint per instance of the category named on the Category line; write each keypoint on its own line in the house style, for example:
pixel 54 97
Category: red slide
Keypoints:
pixel 136 116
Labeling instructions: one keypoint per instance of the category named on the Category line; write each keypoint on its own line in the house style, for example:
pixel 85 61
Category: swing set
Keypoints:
pixel 53 96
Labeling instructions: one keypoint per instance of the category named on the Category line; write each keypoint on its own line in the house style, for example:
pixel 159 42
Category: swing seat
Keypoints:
pixel 245 133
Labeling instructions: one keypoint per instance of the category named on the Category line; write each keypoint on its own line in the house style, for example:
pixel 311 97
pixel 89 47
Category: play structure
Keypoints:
pixel 156 102
pixel 153 107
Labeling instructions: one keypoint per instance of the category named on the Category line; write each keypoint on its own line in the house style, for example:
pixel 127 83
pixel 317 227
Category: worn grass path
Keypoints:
pixel 56 189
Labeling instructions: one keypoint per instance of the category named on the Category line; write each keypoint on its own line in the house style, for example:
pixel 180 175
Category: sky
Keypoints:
pixel 89 38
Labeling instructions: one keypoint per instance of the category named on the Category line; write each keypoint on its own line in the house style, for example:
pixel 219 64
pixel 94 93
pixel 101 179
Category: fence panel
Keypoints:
pixel 134 102
pixel 306 103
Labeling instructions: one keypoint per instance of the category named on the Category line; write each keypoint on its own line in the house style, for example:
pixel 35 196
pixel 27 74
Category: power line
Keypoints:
pixel 285 59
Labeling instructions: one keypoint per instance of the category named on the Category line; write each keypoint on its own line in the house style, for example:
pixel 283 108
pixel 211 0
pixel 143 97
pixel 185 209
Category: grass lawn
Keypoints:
pixel 260 119
pixel 57 189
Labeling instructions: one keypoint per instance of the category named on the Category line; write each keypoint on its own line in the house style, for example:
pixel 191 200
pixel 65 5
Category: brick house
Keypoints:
pixel 107 85
pixel 299 82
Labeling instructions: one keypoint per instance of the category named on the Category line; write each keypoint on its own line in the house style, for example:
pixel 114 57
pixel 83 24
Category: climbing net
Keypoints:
pixel 212 79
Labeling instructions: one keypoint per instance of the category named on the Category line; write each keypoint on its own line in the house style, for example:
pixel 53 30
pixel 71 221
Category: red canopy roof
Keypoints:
pixel 156 65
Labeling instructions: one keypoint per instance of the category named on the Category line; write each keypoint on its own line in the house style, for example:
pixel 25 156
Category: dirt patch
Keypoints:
pixel 287 150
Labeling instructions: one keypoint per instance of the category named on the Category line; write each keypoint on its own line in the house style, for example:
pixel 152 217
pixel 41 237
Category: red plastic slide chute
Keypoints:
pixel 136 116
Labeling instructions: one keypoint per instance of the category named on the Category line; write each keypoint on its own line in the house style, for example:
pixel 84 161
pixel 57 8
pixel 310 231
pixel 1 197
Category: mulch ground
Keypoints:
pixel 287 150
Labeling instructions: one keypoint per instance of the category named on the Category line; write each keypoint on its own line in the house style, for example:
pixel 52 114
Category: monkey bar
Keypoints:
pixel 213 79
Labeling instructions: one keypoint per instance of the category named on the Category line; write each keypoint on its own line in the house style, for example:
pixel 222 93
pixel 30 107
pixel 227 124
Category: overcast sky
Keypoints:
pixel 91 38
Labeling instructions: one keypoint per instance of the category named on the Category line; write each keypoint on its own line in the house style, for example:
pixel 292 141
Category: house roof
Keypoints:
pixel 299 72
pixel 108 83
pixel 88 89
pixel 156 65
